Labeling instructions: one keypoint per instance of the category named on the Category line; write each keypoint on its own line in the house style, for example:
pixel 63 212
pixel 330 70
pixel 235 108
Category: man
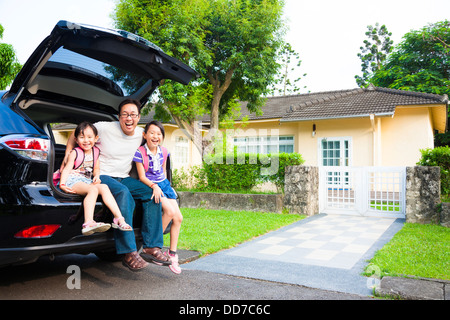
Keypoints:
pixel 118 142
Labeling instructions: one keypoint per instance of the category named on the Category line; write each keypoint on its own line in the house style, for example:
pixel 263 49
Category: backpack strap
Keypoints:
pixel 144 157
pixel 96 152
pixel 164 151
pixel 79 159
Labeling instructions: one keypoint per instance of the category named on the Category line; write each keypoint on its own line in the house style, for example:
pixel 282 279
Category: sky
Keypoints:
pixel 326 33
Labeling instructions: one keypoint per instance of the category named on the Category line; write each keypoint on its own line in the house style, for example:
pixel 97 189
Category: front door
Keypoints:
pixel 335 154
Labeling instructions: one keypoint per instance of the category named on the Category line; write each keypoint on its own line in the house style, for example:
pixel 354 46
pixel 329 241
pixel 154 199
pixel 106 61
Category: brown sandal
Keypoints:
pixel 134 262
pixel 155 255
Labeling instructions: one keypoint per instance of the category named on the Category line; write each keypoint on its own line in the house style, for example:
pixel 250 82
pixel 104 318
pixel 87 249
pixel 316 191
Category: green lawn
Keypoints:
pixel 209 231
pixel 416 250
pixel 385 205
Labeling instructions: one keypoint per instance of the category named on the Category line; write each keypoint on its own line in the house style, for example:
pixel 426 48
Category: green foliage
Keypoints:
pixel 236 172
pixel 284 160
pixel 9 66
pixel 440 157
pixel 284 84
pixel 241 172
pixel 232 44
pixel 420 62
pixel 374 52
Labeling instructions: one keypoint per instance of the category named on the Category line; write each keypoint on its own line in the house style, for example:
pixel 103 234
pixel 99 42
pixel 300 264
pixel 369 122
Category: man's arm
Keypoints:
pixel 71 143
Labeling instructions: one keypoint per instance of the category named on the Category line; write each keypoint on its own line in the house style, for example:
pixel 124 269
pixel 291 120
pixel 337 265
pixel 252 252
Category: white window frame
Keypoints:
pixel 181 152
pixel 337 178
pixel 343 160
pixel 263 144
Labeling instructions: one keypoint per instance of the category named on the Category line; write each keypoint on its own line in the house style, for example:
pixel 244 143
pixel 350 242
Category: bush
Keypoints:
pixel 285 159
pixel 231 172
pixel 189 178
pixel 236 172
pixel 440 157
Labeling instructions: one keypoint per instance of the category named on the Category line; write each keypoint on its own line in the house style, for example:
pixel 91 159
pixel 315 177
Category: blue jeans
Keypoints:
pixel 126 191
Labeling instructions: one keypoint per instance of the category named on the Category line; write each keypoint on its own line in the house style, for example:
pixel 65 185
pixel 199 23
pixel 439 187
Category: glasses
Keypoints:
pixel 126 115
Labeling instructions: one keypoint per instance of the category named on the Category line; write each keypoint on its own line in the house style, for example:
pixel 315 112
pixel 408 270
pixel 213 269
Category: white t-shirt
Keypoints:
pixel 116 148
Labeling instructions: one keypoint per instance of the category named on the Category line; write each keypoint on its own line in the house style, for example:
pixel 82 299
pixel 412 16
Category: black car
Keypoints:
pixel 78 73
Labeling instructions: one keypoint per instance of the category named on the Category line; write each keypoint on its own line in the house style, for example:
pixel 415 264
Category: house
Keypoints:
pixel 355 127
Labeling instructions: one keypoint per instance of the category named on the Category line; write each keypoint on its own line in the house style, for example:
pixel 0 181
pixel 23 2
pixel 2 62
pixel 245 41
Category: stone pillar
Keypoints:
pixel 423 192
pixel 301 190
pixel 445 214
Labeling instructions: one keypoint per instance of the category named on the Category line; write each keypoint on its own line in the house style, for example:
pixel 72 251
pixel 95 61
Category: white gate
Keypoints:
pixel 366 191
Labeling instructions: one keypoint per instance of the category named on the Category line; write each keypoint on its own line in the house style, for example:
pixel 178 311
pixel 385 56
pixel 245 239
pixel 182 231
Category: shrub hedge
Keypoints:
pixel 440 157
pixel 236 172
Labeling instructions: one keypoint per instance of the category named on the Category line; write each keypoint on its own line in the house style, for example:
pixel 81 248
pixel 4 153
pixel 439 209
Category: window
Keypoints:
pixel 265 144
pixel 286 144
pixel 117 81
pixel 181 152
pixel 335 151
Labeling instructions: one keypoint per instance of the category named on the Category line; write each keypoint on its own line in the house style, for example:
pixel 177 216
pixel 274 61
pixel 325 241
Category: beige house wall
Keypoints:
pixel 405 134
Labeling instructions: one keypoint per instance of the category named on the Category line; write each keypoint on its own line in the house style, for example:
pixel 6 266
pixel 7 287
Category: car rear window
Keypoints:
pixel 66 63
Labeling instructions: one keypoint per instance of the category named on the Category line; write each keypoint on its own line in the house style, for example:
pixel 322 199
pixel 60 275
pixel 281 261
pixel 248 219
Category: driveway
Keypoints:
pixel 326 252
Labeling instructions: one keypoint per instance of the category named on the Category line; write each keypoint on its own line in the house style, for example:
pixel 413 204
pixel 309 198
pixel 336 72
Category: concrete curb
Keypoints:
pixel 185 256
pixel 414 289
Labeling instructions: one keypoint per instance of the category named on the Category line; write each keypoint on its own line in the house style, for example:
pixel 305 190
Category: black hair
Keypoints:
pixel 130 101
pixel 155 123
pixel 82 126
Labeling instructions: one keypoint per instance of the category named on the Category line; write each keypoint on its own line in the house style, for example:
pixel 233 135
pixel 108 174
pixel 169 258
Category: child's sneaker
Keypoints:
pixel 174 267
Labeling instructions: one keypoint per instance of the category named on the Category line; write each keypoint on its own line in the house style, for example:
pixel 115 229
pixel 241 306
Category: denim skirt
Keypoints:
pixel 167 189
pixel 73 179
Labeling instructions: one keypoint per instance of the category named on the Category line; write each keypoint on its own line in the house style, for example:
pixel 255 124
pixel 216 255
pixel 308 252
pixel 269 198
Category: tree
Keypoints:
pixel 283 83
pixel 421 62
pixel 9 65
pixel 374 52
pixel 233 44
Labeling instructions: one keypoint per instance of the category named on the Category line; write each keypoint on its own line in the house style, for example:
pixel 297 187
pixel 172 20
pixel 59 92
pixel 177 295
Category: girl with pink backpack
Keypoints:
pixel 81 176
pixel 150 161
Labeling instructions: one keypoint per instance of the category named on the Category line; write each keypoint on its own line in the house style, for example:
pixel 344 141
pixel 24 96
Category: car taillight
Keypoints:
pixel 30 147
pixel 40 231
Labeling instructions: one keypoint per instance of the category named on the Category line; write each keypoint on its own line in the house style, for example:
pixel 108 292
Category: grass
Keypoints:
pixel 385 205
pixel 209 231
pixel 416 250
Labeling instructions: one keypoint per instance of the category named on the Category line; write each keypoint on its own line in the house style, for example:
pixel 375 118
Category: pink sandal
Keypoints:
pixel 123 226
pixel 92 226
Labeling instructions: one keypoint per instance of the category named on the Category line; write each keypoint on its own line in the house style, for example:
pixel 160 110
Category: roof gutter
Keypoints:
pixel 386 114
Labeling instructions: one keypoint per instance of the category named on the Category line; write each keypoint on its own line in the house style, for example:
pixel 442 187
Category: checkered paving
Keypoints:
pixel 334 241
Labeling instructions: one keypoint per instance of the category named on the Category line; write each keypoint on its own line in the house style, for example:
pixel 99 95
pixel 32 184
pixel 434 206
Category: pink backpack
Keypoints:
pixel 78 161
pixel 143 152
